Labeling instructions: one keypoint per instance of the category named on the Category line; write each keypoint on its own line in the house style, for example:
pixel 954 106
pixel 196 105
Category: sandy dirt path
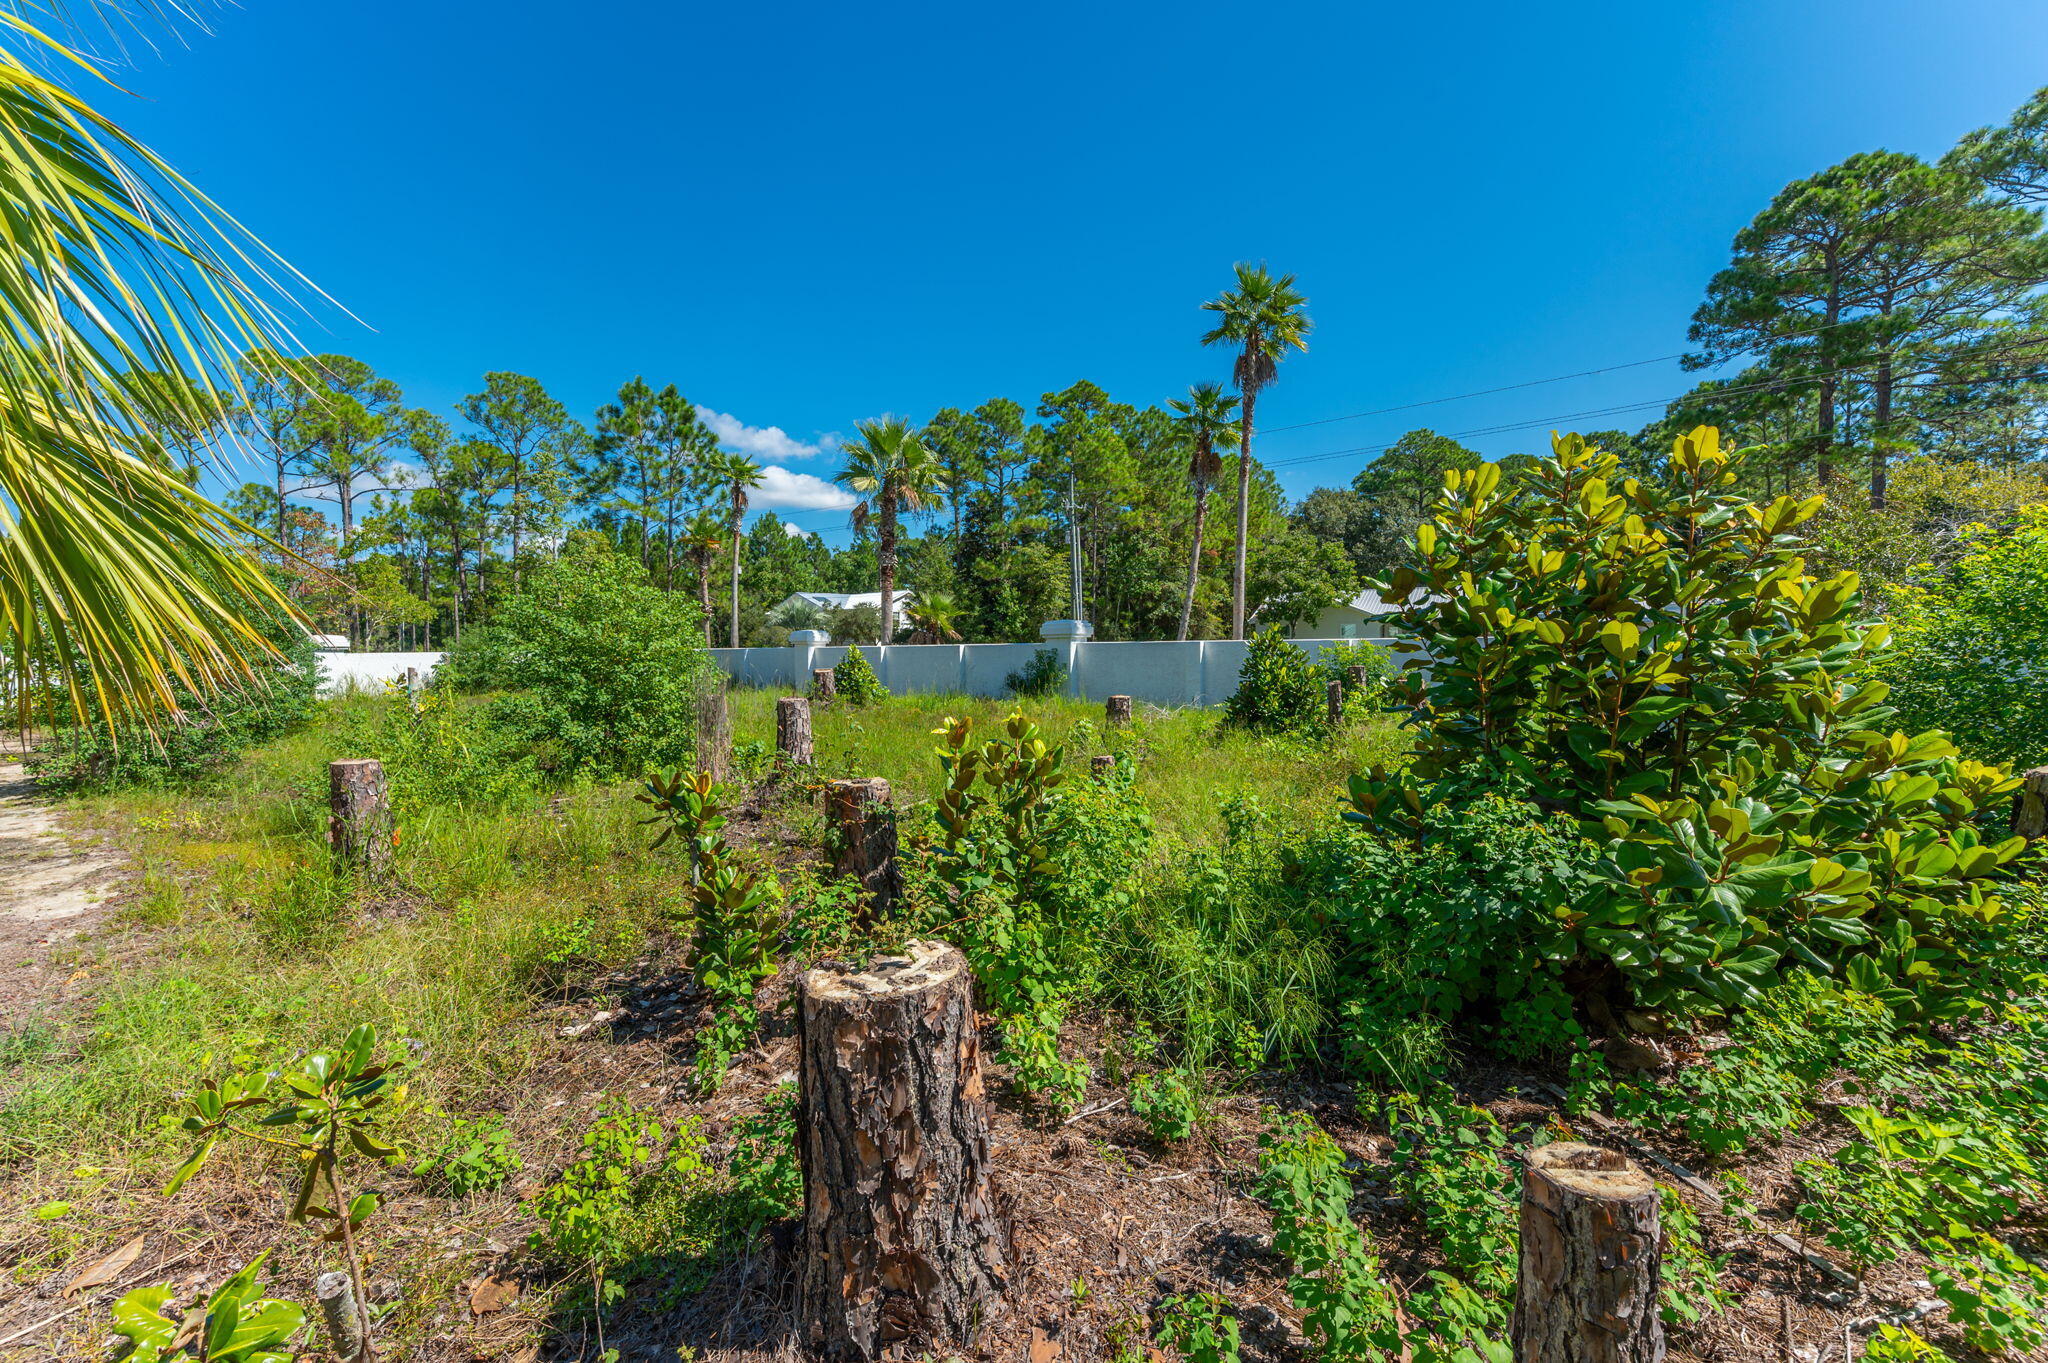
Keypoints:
pixel 56 884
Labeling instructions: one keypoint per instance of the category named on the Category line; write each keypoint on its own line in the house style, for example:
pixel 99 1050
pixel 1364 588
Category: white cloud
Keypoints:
pixel 799 491
pixel 794 531
pixel 761 442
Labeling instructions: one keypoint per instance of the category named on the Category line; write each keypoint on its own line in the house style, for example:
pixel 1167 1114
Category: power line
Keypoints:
pixel 1506 427
pixel 1561 378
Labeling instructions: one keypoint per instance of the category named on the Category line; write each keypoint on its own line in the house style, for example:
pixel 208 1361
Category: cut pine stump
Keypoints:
pixel 793 731
pixel 359 827
pixel 863 827
pixel 2030 805
pixel 1589 1271
pixel 903 1243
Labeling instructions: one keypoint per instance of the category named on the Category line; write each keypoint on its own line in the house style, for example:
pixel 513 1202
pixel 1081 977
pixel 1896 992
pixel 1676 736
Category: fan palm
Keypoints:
pixel 932 617
pixel 1205 419
pixel 893 471
pixel 1262 317
pixel 119 584
pixel 703 535
pixel 738 475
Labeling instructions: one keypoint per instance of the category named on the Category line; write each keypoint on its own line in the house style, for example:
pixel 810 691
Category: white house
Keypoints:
pixel 1365 616
pixel 901 601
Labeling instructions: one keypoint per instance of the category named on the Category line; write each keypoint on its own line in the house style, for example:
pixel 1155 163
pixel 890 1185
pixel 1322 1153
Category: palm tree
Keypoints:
pixel 932 617
pixel 1205 418
pixel 893 471
pixel 1262 316
pixel 119 584
pixel 737 474
pixel 703 535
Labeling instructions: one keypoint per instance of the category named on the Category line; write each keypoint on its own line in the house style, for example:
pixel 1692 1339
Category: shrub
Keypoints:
pixel 1483 946
pixel 1198 1327
pixel 1971 645
pixel 1655 661
pixel 1278 689
pixel 448 752
pixel 611 667
pixel 1044 675
pixel 474 1155
pixel 209 736
pixel 1165 1102
pixel 855 681
pixel 853 624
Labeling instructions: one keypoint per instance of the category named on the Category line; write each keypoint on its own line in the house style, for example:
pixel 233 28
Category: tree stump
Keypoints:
pixel 2030 805
pixel 902 1240
pixel 824 685
pixel 359 827
pixel 1101 765
pixel 1117 710
pixel 714 731
pixel 1355 676
pixel 336 1297
pixel 793 730
pixel 1589 1262
pixel 864 828
pixel 1336 701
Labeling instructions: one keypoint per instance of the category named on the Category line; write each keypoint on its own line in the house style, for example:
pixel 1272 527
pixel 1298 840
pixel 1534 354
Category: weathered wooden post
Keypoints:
pixel 1101 765
pixel 864 840
pixel 1336 701
pixel 1355 675
pixel 1117 710
pixel 824 685
pixel 1587 1290
pixel 2030 805
pixel 793 730
pixel 359 816
pixel 902 1240
pixel 714 730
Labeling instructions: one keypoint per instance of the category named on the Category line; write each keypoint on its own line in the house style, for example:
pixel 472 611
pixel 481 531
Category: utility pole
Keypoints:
pixel 1074 544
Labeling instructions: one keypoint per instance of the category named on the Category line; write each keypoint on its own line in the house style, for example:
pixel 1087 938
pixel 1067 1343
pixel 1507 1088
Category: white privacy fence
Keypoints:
pixel 1198 672
pixel 344 672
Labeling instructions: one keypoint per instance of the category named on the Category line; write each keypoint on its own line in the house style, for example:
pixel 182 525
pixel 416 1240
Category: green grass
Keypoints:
pixel 1188 761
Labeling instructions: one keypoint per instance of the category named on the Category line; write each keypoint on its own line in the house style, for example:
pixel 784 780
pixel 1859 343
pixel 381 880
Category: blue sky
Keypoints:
pixel 808 214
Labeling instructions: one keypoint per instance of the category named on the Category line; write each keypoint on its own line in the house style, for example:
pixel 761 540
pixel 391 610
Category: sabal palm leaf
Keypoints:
pixel 118 581
pixel 934 614
pixel 1206 421
pixel 894 470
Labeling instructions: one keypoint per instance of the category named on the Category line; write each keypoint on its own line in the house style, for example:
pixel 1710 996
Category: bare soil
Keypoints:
pixel 59 887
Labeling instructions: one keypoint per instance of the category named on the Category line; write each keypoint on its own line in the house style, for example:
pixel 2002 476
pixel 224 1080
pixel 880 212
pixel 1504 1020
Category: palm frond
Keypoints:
pixel 117 582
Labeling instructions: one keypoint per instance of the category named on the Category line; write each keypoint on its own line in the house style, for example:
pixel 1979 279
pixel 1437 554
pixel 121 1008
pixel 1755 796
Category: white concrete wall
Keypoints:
pixel 341 672
pixel 1198 672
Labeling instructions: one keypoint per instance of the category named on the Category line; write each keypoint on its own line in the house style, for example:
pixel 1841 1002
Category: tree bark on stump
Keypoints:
pixel 864 825
pixel 2030 805
pixel 359 816
pixel 336 1297
pixel 1336 701
pixel 1589 1272
pixel 793 730
pixel 714 731
pixel 824 685
pixel 1117 710
pixel 1101 765
pixel 902 1240
pixel 1356 675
